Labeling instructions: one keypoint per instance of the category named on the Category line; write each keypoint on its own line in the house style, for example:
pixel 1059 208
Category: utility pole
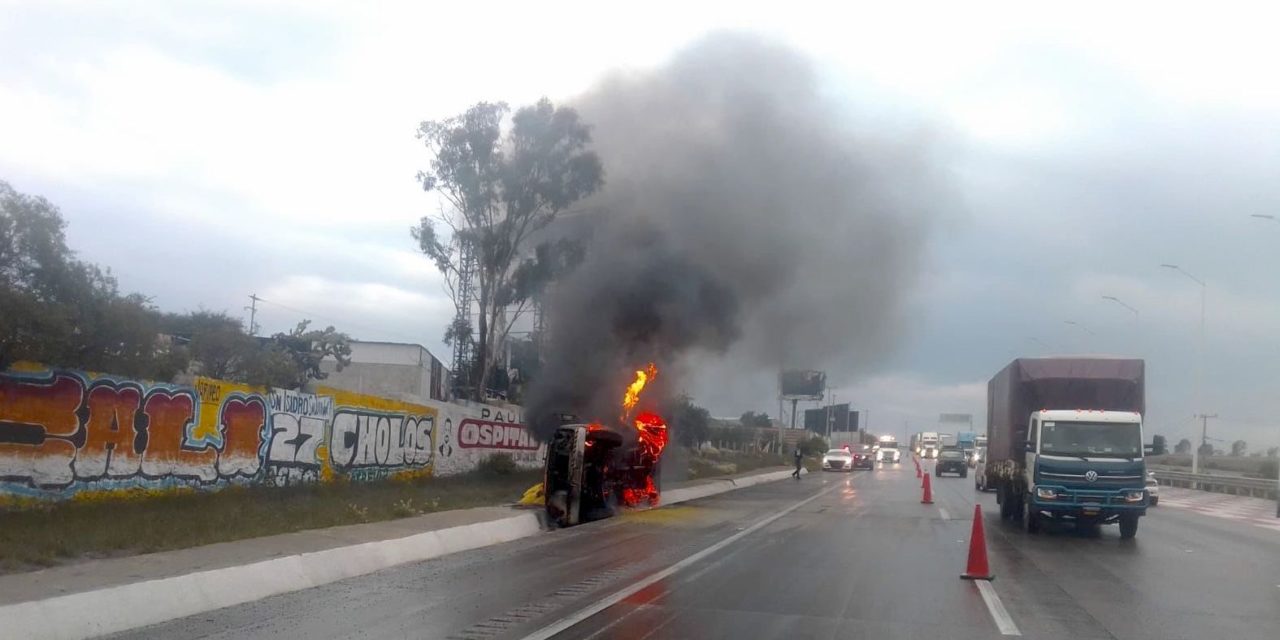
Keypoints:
pixel 253 314
pixel 1204 427
pixel 1200 395
pixel 831 414
pixel 1204 440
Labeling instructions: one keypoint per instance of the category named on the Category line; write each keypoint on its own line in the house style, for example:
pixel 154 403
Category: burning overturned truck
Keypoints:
pixel 594 469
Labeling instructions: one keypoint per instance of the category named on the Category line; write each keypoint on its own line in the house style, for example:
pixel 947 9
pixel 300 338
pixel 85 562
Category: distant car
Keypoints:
pixel 864 456
pixel 890 453
pixel 951 461
pixel 837 460
pixel 1153 489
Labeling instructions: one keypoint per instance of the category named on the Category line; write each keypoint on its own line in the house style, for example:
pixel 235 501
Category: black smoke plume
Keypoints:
pixel 749 222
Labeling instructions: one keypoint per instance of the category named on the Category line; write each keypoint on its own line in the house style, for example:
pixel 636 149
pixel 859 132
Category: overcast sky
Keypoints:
pixel 213 150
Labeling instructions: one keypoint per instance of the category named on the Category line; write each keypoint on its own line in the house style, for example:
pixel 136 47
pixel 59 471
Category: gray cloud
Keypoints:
pixel 745 216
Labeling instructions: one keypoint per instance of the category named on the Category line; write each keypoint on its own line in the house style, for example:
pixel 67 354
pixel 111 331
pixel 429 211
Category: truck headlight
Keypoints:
pixel 1134 495
pixel 1046 493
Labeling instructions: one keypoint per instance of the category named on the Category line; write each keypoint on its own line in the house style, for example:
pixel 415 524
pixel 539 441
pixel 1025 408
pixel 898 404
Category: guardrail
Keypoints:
pixel 1256 487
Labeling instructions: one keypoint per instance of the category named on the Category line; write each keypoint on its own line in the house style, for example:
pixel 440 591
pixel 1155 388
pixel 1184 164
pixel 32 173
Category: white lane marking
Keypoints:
pixel 608 601
pixel 638 609
pixel 943 512
pixel 1004 622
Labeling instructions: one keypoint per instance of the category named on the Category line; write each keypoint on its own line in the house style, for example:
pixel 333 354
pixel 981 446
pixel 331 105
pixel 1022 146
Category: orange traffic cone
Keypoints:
pixel 928 491
pixel 977 569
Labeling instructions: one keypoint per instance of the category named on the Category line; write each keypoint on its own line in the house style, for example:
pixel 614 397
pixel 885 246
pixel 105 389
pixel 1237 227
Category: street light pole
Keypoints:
pixel 1131 309
pixel 1121 303
pixel 1204 288
pixel 1082 327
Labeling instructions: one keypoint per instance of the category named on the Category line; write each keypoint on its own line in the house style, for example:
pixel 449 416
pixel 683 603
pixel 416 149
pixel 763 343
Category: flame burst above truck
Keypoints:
pixel 593 469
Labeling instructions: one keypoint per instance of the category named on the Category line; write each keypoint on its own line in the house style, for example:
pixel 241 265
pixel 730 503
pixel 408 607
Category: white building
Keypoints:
pixel 403 371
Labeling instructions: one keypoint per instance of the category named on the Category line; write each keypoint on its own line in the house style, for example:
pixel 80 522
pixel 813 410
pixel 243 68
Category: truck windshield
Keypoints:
pixel 1091 439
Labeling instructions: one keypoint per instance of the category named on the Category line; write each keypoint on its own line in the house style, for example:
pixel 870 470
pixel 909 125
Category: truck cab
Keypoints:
pixel 966 442
pixel 1082 466
pixel 929 444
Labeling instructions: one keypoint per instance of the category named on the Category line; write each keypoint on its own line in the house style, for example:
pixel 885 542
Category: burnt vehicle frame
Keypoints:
pixel 593 470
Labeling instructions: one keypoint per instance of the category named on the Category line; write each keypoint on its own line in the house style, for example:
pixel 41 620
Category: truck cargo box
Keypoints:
pixel 1032 384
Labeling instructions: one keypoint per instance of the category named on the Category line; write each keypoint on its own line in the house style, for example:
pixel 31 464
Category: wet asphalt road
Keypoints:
pixel 862 558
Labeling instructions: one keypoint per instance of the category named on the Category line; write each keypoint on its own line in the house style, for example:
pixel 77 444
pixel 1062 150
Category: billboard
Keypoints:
pixel 815 420
pixel 831 418
pixel 802 384
pixel 955 418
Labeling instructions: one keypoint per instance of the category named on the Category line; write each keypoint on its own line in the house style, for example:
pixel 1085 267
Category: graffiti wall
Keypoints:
pixel 470 434
pixel 68 432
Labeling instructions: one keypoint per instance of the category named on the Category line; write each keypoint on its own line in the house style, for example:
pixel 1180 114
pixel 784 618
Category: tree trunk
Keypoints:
pixel 481 359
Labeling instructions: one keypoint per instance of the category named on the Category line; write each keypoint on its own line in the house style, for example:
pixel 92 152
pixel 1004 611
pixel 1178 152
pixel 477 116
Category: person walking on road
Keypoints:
pixel 799 458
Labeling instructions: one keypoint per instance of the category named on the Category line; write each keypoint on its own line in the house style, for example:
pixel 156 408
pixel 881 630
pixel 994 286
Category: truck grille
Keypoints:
pixel 1102 481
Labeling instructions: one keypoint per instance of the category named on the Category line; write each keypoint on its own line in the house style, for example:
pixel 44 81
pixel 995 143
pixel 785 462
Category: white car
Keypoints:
pixel 1153 489
pixel 837 460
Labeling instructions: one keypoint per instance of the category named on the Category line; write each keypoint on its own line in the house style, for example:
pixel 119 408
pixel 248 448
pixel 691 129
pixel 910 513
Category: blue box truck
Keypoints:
pixel 1065 441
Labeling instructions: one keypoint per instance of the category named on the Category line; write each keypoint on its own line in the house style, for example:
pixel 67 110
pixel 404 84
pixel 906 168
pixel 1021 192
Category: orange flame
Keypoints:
pixel 632 396
pixel 651 430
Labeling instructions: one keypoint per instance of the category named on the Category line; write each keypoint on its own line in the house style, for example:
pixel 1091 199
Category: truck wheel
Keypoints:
pixel 1128 527
pixel 1006 505
pixel 1030 518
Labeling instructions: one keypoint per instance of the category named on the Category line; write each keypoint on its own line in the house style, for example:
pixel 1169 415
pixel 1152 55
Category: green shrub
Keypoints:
pixel 498 464
pixel 814 446
pixel 1269 468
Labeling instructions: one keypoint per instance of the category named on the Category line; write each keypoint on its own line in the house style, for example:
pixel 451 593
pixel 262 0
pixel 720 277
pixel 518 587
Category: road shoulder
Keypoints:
pixel 106 596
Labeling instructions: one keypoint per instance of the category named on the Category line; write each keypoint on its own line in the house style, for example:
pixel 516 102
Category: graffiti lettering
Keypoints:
pixel 115 434
pixel 169 414
pixel 243 419
pixel 210 391
pixel 285 401
pixel 363 439
pixel 294 439
pixel 38 424
pixel 499 415
pixel 494 435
